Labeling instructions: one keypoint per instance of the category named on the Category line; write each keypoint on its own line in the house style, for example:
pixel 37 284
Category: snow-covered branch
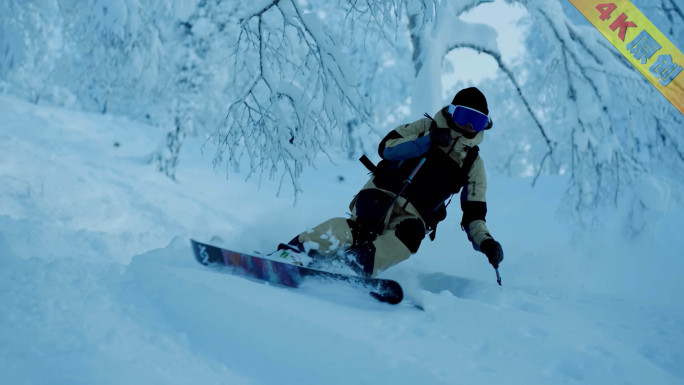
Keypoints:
pixel 525 101
pixel 299 94
pixel 619 129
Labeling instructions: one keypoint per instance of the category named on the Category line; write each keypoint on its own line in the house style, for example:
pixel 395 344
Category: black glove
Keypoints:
pixel 440 136
pixel 492 249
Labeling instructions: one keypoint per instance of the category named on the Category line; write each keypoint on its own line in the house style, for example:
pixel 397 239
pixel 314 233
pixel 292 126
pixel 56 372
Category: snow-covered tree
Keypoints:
pixel 589 112
pixel 609 128
pixel 278 82
pixel 29 31
pixel 199 77
pixel 295 91
pixel 159 61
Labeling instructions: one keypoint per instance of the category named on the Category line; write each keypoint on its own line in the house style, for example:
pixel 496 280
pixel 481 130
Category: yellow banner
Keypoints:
pixel 641 43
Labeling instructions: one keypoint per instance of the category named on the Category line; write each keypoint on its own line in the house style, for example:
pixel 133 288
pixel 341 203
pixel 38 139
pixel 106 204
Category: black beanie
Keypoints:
pixel 473 98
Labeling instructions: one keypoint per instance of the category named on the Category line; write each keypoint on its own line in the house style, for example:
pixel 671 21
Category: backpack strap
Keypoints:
pixel 368 164
pixel 433 124
pixel 470 157
pixel 468 162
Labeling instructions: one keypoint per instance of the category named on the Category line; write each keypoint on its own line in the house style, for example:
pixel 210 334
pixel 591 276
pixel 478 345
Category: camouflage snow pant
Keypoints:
pixel 376 244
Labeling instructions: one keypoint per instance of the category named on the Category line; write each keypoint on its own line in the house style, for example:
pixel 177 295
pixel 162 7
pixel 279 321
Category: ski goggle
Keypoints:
pixel 464 116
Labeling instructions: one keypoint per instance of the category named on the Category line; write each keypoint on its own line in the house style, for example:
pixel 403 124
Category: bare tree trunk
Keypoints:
pixel 167 159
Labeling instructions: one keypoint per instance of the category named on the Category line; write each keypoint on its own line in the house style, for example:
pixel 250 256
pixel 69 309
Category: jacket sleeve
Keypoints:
pixel 406 141
pixel 474 205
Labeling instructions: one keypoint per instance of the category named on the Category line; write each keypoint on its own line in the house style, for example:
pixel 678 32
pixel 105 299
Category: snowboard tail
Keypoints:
pixel 288 275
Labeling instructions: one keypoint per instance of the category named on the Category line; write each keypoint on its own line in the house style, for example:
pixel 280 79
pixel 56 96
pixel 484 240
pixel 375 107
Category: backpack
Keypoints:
pixel 434 195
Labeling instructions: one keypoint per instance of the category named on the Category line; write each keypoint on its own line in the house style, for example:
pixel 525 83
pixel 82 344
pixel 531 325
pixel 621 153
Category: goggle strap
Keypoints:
pixel 452 109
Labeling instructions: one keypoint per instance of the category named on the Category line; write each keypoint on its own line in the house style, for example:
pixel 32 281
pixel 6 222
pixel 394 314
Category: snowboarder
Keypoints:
pixel 424 164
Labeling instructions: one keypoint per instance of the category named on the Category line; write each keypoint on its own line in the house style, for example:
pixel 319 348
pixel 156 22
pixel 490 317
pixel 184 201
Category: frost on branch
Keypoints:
pixel 166 159
pixel 618 130
pixel 294 92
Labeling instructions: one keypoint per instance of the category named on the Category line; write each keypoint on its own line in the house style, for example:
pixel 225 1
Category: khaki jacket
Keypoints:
pixel 473 200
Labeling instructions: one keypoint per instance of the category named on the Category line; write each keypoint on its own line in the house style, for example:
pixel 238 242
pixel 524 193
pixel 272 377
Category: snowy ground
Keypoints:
pixel 98 284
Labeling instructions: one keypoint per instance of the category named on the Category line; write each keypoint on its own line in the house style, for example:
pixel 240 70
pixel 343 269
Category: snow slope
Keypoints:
pixel 98 283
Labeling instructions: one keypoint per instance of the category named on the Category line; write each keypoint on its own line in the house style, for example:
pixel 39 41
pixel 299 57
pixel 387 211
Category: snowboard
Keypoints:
pixel 288 275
